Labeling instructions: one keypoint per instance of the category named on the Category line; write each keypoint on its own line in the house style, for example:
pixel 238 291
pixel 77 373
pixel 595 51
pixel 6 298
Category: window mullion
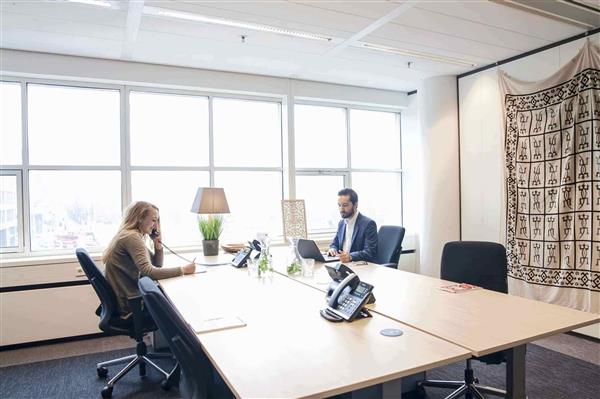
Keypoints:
pixel 26 222
pixel 348 177
pixel 211 152
pixel 125 147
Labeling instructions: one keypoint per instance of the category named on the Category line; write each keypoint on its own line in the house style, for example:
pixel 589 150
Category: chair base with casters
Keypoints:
pixel 470 387
pixel 140 359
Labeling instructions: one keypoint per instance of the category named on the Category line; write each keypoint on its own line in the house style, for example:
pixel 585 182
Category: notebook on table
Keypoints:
pixel 309 249
pixel 216 323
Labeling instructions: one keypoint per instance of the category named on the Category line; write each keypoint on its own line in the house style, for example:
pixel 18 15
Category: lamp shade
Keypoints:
pixel 210 200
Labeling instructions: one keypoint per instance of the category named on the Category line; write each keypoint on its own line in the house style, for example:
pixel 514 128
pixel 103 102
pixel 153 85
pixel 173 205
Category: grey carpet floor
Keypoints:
pixel 550 375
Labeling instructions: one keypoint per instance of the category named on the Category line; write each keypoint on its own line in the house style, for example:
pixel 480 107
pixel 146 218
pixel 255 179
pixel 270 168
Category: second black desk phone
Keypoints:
pixel 241 257
pixel 347 294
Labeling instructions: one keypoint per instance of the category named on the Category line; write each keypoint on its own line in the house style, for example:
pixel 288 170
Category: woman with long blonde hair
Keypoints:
pixel 127 256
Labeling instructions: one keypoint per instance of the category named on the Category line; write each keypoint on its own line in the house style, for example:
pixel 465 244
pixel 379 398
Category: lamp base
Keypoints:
pixel 210 247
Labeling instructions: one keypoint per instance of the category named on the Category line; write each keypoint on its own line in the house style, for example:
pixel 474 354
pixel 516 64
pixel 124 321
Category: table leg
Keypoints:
pixel 515 373
pixel 390 389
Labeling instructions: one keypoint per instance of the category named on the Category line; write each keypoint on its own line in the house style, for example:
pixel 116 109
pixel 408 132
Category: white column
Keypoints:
pixel 439 138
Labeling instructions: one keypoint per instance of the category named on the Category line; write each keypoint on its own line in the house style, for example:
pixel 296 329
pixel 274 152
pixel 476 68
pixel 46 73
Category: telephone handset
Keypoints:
pixel 154 233
pixel 347 294
pixel 255 246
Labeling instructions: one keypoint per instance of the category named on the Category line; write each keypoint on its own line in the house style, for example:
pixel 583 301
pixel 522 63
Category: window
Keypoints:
pixel 248 165
pixel 10 123
pixel 170 159
pixel 247 133
pixel 254 199
pixel 173 192
pixel 321 138
pixel 324 136
pixel 89 149
pixel 73 125
pixel 319 193
pixel 379 196
pixel 375 140
pixel 74 152
pixel 10 218
pixel 72 209
pixel 168 129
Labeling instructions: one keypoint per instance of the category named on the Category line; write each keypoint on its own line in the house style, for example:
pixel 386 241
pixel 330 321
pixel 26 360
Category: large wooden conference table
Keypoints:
pixel 479 320
pixel 288 350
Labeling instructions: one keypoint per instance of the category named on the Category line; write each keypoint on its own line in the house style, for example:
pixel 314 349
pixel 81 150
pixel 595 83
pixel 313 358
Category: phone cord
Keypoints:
pixel 175 253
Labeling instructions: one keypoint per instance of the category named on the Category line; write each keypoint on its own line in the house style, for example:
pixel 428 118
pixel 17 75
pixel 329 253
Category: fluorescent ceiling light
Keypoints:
pixel 233 23
pixel 417 54
pixel 99 3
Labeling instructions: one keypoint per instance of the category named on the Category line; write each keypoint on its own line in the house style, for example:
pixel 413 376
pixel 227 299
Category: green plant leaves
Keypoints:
pixel 211 228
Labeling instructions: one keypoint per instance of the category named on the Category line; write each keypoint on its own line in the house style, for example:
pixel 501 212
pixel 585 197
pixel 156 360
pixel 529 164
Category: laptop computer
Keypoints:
pixel 309 249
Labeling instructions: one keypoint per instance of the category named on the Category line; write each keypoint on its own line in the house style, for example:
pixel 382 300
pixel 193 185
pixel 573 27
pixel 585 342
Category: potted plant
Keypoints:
pixel 211 229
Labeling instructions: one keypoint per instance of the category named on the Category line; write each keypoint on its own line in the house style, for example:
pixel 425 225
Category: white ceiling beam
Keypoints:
pixel 134 18
pixel 378 23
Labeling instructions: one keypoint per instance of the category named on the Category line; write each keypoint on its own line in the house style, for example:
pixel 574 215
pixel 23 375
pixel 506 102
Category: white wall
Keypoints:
pixel 482 142
pixel 439 212
pixel 412 182
pixel 55 66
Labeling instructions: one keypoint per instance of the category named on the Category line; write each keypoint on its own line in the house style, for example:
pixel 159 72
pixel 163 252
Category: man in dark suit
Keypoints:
pixel 356 237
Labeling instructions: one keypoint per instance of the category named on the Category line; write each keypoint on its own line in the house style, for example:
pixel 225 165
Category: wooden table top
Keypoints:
pixel 481 320
pixel 287 349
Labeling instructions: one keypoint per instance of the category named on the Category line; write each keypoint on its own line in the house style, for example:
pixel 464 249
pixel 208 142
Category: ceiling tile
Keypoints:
pixel 507 18
pixel 479 32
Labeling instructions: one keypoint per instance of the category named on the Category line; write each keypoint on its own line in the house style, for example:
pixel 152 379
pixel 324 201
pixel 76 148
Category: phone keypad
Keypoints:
pixel 348 305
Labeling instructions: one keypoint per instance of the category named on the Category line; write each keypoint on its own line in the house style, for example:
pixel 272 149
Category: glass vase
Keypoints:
pixel 265 261
pixel 294 260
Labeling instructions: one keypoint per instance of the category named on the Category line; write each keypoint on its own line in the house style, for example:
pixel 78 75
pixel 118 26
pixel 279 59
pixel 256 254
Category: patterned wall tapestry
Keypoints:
pixel 552 148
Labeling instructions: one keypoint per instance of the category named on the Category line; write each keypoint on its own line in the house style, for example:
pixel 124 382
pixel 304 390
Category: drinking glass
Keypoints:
pixel 308 267
pixel 252 267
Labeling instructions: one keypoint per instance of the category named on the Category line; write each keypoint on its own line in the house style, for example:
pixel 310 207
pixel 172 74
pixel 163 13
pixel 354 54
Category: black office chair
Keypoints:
pixel 111 323
pixel 389 245
pixel 199 379
pixel 482 264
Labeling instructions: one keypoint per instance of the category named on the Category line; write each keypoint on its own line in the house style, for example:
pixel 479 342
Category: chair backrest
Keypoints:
pixel 106 294
pixel 195 365
pixel 389 244
pixel 475 262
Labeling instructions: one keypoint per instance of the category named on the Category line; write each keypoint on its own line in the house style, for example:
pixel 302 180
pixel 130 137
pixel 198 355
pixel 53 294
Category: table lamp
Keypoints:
pixel 210 201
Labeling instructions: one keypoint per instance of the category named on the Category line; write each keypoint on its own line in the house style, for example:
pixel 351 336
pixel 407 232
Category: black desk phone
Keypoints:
pixel 241 257
pixel 346 295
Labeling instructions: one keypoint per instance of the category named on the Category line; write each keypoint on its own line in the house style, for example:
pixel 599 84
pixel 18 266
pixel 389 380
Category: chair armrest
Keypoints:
pixel 392 265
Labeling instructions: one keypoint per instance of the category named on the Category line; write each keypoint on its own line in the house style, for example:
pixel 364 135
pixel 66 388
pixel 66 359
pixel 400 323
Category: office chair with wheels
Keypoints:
pixel 482 264
pixel 110 322
pixel 199 379
pixel 389 245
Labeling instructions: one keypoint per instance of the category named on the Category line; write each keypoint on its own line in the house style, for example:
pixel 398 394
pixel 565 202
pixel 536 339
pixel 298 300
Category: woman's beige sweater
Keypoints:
pixel 130 259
